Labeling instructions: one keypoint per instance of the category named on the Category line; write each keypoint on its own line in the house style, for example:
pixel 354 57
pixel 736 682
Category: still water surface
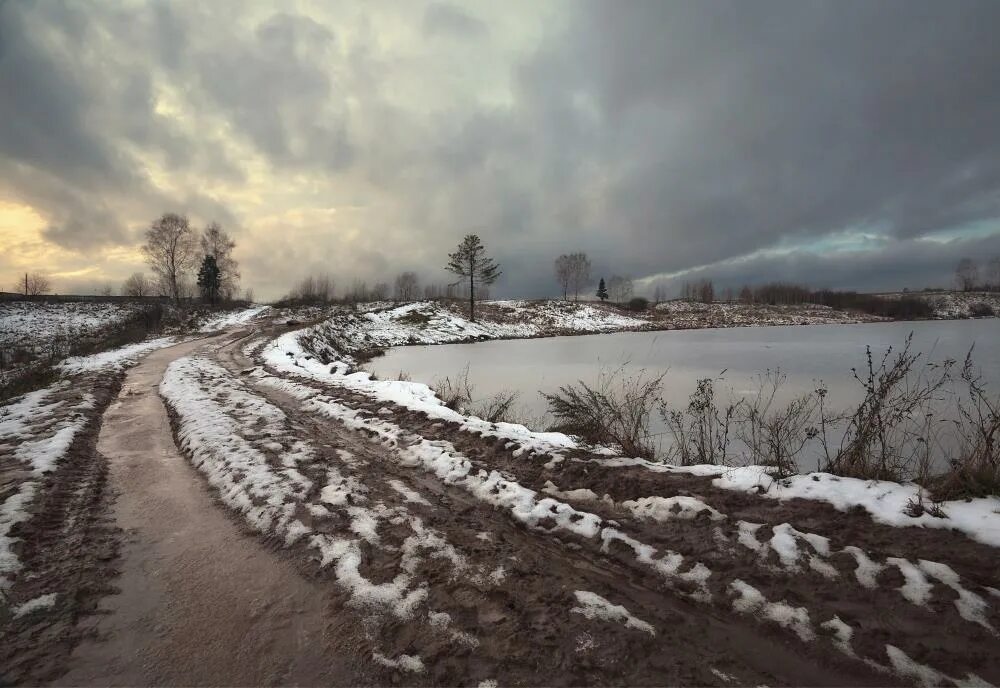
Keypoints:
pixel 734 356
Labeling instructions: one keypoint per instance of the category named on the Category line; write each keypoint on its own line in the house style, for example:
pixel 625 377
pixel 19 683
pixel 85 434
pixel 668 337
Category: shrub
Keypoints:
pixel 981 310
pixel 890 434
pixel 638 304
pixel 701 431
pixel 454 394
pixel 498 408
pixel 975 468
pixel 616 411
pixel 777 436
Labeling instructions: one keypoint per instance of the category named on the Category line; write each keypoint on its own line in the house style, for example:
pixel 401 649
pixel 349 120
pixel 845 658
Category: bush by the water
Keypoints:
pixel 895 432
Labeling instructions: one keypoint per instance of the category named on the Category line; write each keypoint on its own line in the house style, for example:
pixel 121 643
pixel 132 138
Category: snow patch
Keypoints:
pixel 749 600
pixel 596 607
pixel 34 605
pixel 669 508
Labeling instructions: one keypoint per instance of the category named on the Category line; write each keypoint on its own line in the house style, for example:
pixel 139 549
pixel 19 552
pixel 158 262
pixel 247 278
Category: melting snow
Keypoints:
pixel 669 508
pixel 751 601
pixel 596 607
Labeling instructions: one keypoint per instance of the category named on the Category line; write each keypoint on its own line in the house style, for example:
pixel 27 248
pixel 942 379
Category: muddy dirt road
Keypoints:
pixel 200 601
pixel 280 529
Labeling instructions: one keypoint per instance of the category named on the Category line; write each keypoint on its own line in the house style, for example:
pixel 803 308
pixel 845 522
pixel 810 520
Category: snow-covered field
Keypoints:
pixel 683 314
pixel 958 304
pixel 43 321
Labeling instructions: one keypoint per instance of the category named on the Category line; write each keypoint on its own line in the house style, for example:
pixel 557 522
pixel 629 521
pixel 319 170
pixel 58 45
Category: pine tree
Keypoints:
pixel 209 279
pixel 470 261
pixel 602 291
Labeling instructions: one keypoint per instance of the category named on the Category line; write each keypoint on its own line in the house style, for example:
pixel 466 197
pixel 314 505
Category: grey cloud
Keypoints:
pixel 443 19
pixel 654 135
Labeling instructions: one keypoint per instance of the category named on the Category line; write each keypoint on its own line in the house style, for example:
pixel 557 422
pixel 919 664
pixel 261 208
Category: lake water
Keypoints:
pixel 734 356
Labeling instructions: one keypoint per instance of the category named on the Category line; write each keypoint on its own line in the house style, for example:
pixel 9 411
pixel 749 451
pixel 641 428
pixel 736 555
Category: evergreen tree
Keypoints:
pixel 602 291
pixel 470 261
pixel 209 279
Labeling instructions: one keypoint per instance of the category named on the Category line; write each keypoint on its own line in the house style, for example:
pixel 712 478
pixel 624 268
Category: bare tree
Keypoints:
pixel 33 284
pixel 171 251
pixel 621 288
pixel 470 262
pixel 380 291
pixel 407 286
pixel 993 273
pixel 324 288
pixel 572 273
pixel 967 274
pixel 136 286
pixel 358 291
pixel 563 268
pixel 579 274
pixel 106 290
pixel 659 293
pixel 216 242
pixel 706 291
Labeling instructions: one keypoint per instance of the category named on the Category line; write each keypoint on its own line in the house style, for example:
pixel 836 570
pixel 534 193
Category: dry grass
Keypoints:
pixel 614 412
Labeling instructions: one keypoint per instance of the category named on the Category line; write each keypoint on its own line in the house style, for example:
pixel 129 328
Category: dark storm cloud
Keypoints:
pixel 654 135
pixel 69 112
pixel 730 126
pixel 899 264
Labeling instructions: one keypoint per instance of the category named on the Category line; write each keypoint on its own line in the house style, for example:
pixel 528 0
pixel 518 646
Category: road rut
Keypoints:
pixel 200 601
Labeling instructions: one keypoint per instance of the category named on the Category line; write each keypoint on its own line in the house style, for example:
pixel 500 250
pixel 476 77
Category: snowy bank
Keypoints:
pixel 299 353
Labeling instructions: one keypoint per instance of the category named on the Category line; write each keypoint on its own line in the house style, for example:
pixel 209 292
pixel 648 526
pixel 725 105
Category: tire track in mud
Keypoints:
pixel 937 632
pixel 526 630
pixel 68 546
pixel 199 601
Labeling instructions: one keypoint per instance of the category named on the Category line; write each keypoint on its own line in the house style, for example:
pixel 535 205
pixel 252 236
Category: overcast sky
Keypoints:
pixel 842 144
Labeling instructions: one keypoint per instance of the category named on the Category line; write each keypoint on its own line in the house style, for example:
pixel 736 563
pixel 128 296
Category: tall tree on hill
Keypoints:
pixel 216 242
pixel 171 251
pixel 602 290
pixel 209 279
pixel 471 262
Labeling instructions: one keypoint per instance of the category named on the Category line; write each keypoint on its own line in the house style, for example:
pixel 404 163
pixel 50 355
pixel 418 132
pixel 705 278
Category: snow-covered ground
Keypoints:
pixel 779 548
pixel 429 322
pixel 959 304
pixel 685 314
pixel 299 354
pixel 220 321
pixel 43 321
pixel 37 430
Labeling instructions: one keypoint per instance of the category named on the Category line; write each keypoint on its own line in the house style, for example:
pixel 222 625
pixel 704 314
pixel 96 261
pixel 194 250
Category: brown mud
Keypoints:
pixel 203 600
pixel 69 546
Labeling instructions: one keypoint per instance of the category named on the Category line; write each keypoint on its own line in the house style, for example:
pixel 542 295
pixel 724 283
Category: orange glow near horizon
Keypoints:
pixel 24 248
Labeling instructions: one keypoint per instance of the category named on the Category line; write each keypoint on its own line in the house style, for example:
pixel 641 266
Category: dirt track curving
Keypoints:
pixel 200 601
pixel 203 601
